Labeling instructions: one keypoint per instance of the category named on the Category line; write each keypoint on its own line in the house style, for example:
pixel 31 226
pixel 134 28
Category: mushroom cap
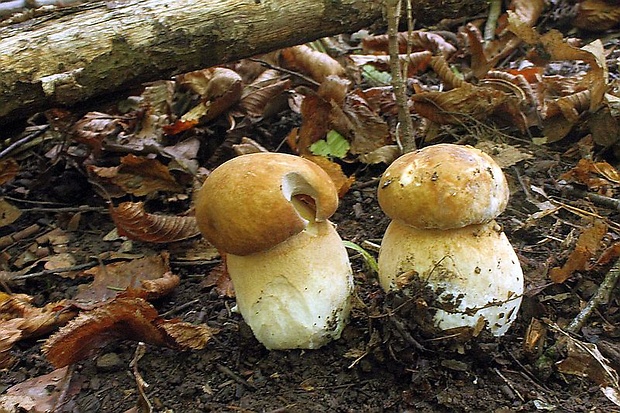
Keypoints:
pixel 443 186
pixel 253 202
pixel 297 294
pixel 474 271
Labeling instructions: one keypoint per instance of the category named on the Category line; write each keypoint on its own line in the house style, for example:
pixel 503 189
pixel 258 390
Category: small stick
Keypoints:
pixel 53 271
pixel 495 9
pixel 223 369
pixel 595 198
pixel 600 298
pixel 509 384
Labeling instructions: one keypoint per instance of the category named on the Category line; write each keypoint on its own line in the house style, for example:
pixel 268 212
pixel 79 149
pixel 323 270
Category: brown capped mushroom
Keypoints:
pixel 442 201
pixel 269 212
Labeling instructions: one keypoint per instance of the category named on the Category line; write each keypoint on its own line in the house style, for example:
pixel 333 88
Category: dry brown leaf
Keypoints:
pixel 96 127
pixel 460 105
pixel 137 175
pixel 219 87
pixel 597 15
pixel 555 47
pixel 219 278
pixel 587 244
pixel 135 223
pixel 20 320
pixel 445 73
pixel 187 335
pixel 258 96
pixel 314 63
pixel 418 41
pixel 597 176
pixel 148 278
pixel 8 170
pixel 124 318
pixel 44 393
pixel 416 62
pixel 8 213
pixel 341 181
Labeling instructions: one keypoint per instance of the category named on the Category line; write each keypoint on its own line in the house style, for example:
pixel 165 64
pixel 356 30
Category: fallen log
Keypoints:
pixel 77 53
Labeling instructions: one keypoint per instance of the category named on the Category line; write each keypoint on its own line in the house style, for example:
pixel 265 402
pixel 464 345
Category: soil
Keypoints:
pixel 382 363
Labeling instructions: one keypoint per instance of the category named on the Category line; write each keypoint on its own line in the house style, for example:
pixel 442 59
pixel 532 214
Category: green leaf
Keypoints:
pixel 335 146
pixel 376 77
pixel 368 258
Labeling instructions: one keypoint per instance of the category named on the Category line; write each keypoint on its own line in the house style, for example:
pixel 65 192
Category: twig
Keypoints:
pixel 18 236
pixel 595 198
pixel 404 130
pixel 495 9
pixel 281 69
pixel 223 369
pixel 53 271
pixel 7 151
pixel 509 384
pixel 179 308
pixel 600 298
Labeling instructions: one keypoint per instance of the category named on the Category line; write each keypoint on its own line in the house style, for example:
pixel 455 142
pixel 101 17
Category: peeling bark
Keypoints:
pixel 78 53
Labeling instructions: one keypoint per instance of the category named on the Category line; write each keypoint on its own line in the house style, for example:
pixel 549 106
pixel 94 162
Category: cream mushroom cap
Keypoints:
pixel 253 202
pixel 443 186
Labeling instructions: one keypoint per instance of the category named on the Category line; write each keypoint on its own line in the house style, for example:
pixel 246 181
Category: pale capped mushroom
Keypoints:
pixel 442 201
pixel 290 270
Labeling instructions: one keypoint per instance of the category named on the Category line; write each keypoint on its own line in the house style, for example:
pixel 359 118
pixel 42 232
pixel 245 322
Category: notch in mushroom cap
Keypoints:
pixel 256 201
pixel 443 186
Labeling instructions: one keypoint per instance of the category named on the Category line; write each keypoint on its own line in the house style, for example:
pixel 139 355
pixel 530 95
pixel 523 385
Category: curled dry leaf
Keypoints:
pixel 257 97
pixel 445 73
pixel 418 41
pixel 309 61
pixel 96 127
pixel 20 320
pixel 137 175
pixel 416 62
pixel 597 15
pixel 463 104
pixel 148 278
pixel 599 177
pixel 219 87
pixel 124 318
pixel 8 170
pixel 135 223
pixel 585 249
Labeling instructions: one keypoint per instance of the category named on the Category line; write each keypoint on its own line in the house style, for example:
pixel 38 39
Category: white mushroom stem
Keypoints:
pixel 297 294
pixel 473 270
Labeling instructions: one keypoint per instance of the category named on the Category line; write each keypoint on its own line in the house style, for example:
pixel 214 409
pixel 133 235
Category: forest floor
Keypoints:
pixel 374 366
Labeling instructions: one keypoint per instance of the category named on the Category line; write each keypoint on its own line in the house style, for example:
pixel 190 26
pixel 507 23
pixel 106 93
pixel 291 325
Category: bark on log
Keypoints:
pixel 106 46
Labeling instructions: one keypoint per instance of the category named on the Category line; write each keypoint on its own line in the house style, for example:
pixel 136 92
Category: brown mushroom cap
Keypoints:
pixel 254 202
pixel 443 186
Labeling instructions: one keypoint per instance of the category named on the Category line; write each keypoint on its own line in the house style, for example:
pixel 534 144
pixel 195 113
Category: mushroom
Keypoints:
pixel 291 273
pixel 443 200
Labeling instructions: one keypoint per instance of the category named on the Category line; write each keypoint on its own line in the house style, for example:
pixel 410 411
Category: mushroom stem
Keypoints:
pixel 473 270
pixel 297 294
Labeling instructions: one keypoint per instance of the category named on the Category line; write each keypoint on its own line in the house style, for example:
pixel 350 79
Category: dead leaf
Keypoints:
pixel 219 87
pixel 135 223
pixel 587 245
pixel 8 213
pixel 257 97
pixel 8 170
pixel 148 278
pixel 341 181
pixel 124 318
pixel 314 63
pixel 418 41
pixel 46 393
pixel 599 177
pixel 597 15
pixel 416 62
pixel 219 278
pixel 137 175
